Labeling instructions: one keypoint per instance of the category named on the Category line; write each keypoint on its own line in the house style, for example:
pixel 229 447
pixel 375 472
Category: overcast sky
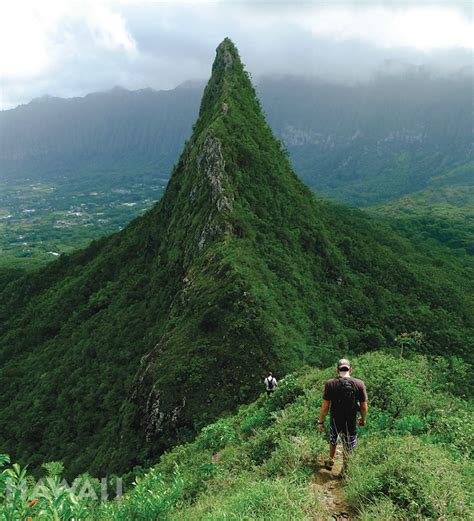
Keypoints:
pixel 65 48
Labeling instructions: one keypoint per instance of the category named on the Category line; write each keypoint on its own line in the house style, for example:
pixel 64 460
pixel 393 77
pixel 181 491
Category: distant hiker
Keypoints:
pixel 344 396
pixel 270 384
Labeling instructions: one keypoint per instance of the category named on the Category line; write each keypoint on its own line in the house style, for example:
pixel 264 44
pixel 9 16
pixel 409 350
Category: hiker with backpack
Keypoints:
pixel 270 384
pixel 344 396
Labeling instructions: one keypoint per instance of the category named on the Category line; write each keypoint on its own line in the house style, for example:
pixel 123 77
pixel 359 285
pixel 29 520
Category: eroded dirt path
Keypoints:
pixel 329 488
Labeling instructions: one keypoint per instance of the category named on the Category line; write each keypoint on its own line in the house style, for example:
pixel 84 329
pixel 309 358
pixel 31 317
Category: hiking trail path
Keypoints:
pixel 328 486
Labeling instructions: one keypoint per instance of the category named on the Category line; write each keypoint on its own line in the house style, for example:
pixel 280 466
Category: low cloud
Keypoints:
pixel 71 48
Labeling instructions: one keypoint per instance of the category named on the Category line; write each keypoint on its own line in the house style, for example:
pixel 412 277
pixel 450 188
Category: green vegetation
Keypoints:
pixel 106 156
pixel 440 215
pixel 113 354
pixel 413 460
pixel 39 221
pixel 370 172
pixel 345 141
pixel 55 140
pixel 372 143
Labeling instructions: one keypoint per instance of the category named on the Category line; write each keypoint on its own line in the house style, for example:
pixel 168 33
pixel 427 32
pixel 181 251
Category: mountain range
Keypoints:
pixel 113 354
pixel 73 170
pixel 361 144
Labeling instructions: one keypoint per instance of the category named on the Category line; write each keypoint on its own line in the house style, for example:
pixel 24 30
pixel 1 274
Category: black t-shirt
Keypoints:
pixel 332 389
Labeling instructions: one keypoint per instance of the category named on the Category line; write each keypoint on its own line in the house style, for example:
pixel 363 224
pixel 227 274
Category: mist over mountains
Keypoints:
pixel 363 144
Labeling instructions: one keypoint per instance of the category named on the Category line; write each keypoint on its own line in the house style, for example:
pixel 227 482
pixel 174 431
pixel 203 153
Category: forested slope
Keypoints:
pixel 115 353
pixel 441 214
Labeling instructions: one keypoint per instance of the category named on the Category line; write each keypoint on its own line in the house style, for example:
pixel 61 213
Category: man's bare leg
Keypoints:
pixel 328 463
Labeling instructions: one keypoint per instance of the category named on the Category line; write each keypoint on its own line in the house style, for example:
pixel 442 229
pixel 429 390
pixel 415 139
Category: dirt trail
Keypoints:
pixel 329 488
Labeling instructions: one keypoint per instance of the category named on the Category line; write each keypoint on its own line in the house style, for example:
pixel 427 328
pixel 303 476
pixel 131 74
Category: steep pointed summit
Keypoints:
pixel 227 57
pixel 113 354
pixel 226 64
pixel 227 73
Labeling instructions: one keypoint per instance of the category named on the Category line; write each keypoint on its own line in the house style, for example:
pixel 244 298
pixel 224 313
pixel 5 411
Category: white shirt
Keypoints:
pixel 269 380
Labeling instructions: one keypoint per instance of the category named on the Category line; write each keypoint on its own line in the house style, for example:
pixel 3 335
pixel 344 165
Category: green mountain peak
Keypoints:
pixel 226 68
pixel 227 78
pixel 117 352
pixel 227 56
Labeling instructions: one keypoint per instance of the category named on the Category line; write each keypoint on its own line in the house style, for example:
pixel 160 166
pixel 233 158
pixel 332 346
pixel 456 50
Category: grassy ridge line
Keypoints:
pixel 412 461
pixel 264 457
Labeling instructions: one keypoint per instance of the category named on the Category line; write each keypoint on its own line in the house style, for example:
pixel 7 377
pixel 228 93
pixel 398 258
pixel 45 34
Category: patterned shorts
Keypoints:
pixel 349 441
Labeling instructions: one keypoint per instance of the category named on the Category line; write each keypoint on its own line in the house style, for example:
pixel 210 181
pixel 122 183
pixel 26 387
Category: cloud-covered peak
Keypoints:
pixel 71 48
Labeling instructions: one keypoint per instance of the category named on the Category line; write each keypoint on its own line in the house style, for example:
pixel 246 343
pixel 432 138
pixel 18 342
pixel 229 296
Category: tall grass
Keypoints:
pixel 411 463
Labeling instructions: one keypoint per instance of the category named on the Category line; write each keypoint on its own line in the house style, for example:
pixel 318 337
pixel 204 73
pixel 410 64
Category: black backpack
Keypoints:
pixel 346 402
pixel 270 383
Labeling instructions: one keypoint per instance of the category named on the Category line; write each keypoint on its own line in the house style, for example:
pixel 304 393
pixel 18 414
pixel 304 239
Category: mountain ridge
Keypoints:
pixel 347 142
pixel 266 459
pixel 149 334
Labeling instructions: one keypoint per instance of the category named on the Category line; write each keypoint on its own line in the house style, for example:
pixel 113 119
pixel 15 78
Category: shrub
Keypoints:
pixel 56 501
pixel 217 435
pixel 53 468
pixel 395 386
pixel 235 459
pixel 276 499
pixel 298 417
pixel 454 426
pixel 421 480
pixel 287 391
pixel 450 373
pixel 198 481
pixel 13 489
pixel 410 425
pixel 260 446
pixel 296 455
pixel 152 498
pixel 259 419
pixel 22 497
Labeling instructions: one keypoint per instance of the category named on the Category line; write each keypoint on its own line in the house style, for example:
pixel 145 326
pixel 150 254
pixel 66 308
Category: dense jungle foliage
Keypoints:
pixel 442 214
pixel 113 354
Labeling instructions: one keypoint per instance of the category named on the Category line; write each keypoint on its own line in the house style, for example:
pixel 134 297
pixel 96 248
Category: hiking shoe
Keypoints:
pixel 328 464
